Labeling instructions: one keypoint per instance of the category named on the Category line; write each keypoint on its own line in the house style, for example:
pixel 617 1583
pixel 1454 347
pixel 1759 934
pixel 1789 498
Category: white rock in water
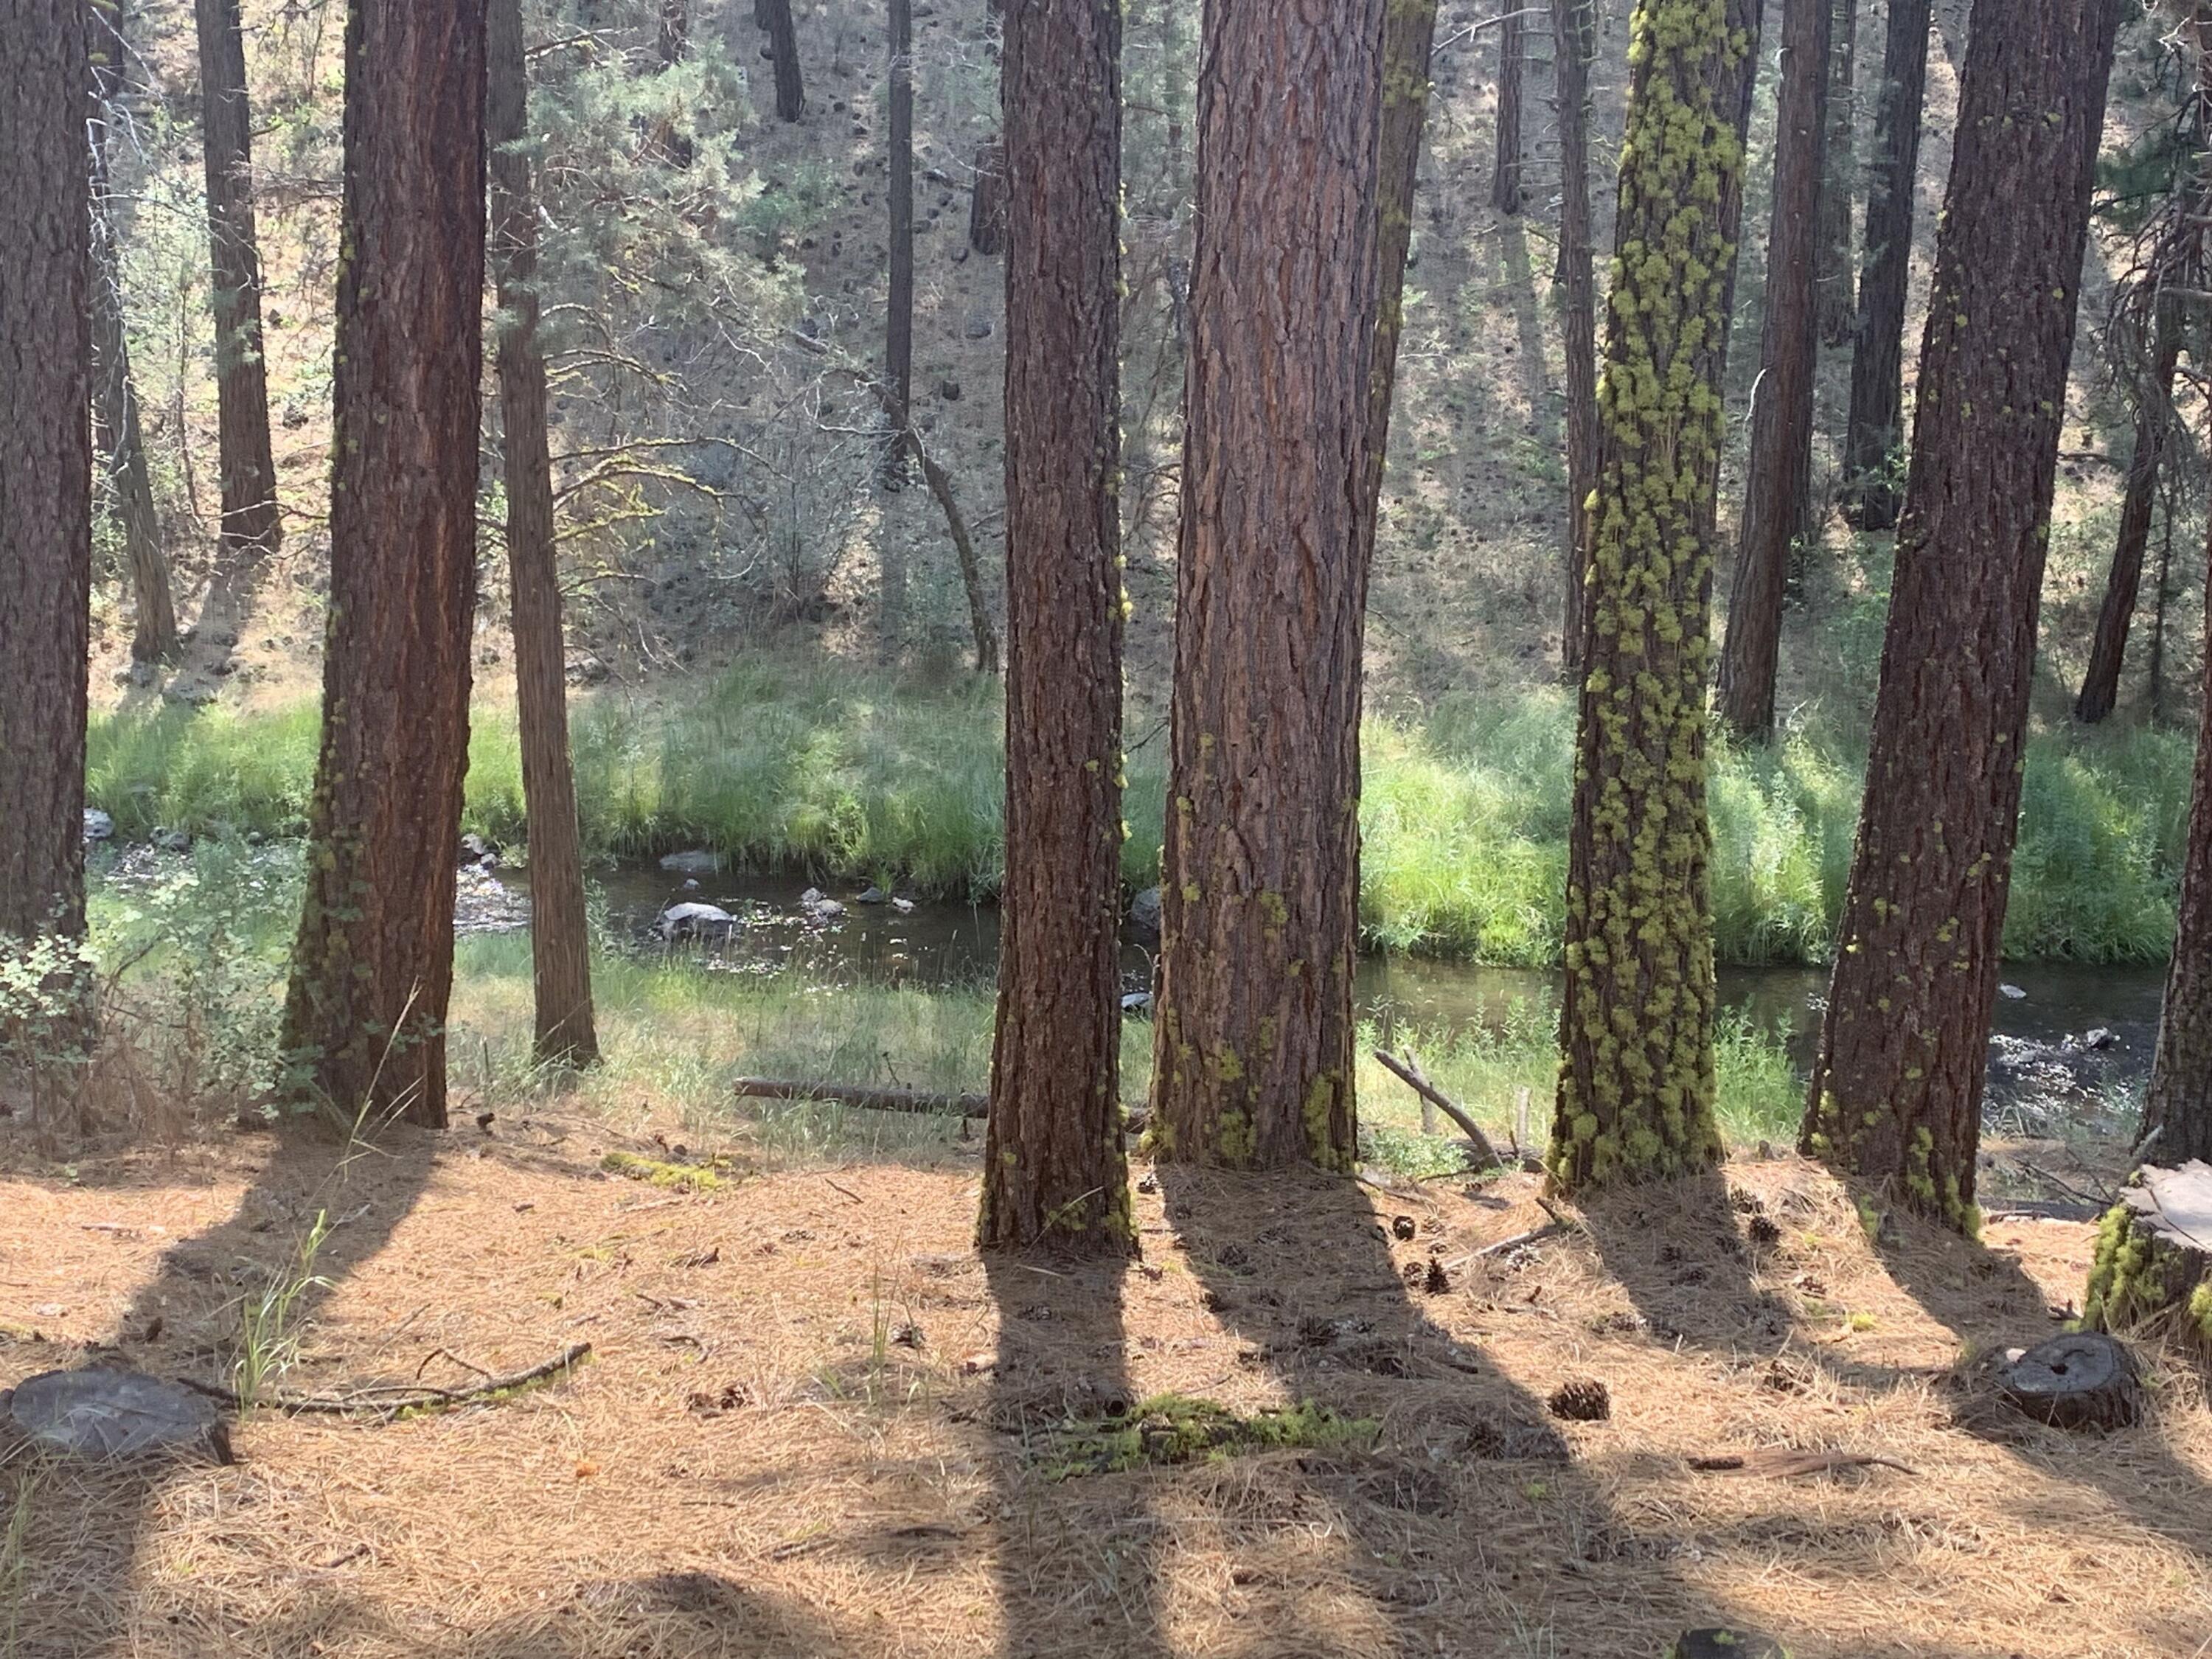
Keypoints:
pixel 2012 992
pixel 98 826
pixel 690 920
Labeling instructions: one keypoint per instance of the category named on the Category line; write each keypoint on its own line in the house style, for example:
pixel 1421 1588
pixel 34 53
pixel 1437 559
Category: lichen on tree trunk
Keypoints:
pixel 1636 1079
pixel 1896 1091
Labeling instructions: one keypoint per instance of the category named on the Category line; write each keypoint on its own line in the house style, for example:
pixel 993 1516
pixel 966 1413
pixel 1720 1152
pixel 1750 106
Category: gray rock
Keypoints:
pixel 172 841
pixel 811 897
pixel 98 826
pixel 904 906
pixel 872 895
pixel 693 920
pixel 696 862
pixel 476 850
pixel 1144 917
pixel 827 909
pixel 2098 1038
pixel 2012 993
pixel 1137 1002
pixel 102 1414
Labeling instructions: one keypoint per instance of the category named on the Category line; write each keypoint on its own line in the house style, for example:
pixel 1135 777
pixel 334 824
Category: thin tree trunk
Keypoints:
pixel 153 636
pixel 1409 34
pixel 898 326
pixel 1573 26
pixel 1053 1165
pixel 2161 596
pixel 560 935
pixel 1897 1091
pixel 675 33
pixel 1838 300
pixel 985 636
pixel 2154 416
pixel 1636 1083
pixel 987 206
pixel 2178 1104
pixel 1778 474
pixel 1505 169
pixel 775 16
pixel 1877 422
pixel 1260 903
pixel 364 1019
pixel 45 466
pixel 251 524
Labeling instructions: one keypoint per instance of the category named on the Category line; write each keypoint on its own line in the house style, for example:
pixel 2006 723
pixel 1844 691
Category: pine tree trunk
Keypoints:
pixel 1897 1091
pixel 1838 302
pixel 2100 685
pixel 131 491
pixel 1877 422
pixel 1260 903
pixel 899 328
pixel 1409 34
pixel 45 466
pixel 560 935
pixel 2178 1104
pixel 364 1014
pixel 1778 473
pixel 675 33
pixel 1053 1165
pixel 775 16
pixel 1573 28
pixel 1505 172
pixel 1636 1086
pixel 987 207
pixel 251 524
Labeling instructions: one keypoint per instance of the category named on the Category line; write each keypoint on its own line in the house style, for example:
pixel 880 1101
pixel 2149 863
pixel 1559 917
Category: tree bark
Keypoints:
pixel 364 1019
pixel 2178 1104
pixel 1897 1090
pixel 2155 418
pixel 1573 28
pixel 1409 34
pixel 123 444
pixel 898 326
pixel 675 32
pixel 1505 170
pixel 1778 473
pixel 775 16
pixel 1838 302
pixel 46 464
pixel 1636 1087
pixel 560 935
pixel 250 523
pixel 1260 903
pixel 1053 1171
pixel 987 206
pixel 1876 421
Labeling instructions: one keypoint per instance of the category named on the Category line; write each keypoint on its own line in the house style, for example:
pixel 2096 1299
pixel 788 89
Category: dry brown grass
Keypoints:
pixel 753 1465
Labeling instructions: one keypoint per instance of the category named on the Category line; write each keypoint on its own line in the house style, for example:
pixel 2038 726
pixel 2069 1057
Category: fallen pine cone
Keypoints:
pixel 1581 1399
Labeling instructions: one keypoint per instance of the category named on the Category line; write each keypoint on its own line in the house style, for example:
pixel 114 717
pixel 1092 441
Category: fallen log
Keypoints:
pixel 2153 1272
pixel 1408 1071
pixel 872 1100
pixel 391 1399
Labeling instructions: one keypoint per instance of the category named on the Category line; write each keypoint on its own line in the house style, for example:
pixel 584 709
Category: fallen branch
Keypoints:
pixel 389 1400
pixel 1408 1070
pixel 872 1100
pixel 1534 1236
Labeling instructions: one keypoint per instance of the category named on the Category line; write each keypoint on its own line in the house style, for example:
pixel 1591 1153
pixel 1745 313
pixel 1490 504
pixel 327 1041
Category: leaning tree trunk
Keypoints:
pixel 1897 1091
pixel 987 206
pixel 1409 34
pixel 1260 899
pixel 2178 1104
pixel 1573 27
pixel 45 466
pixel 2153 1270
pixel 1778 473
pixel 898 324
pixel 1636 1087
pixel 1876 420
pixel 1839 304
pixel 2155 418
pixel 365 1016
pixel 1053 1164
pixel 1505 168
pixel 130 489
pixel 251 524
pixel 560 934
pixel 775 16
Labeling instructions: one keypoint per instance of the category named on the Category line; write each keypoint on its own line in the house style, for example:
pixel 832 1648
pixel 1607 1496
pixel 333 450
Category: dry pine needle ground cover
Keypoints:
pixel 816 1423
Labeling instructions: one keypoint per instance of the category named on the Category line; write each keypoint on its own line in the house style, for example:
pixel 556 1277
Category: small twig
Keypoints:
pixel 1535 1235
pixel 1408 1070
pixel 447 1354
pixel 848 1191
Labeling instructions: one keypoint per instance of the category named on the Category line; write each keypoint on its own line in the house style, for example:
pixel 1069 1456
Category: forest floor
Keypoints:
pixel 814 1421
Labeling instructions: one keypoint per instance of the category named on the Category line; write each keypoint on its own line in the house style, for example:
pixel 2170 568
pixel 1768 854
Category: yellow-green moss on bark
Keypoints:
pixel 2138 1282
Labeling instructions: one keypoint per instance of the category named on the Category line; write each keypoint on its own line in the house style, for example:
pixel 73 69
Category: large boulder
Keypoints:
pixel 1145 919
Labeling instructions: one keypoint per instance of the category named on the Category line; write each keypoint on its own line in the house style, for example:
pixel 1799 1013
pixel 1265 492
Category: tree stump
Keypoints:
pixel 2082 1380
pixel 1725 1642
pixel 2152 1273
pixel 101 1414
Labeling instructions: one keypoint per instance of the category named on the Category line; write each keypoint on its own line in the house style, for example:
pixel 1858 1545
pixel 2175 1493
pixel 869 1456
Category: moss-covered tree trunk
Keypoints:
pixel 2155 428
pixel 2152 1273
pixel 1506 165
pixel 1838 297
pixel 1053 1169
pixel 1778 476
pixel 1574 29
pixel 560 933
pixel 250 523
pixel 1897 1090
pixel 46 464
pixel 1876 421
pixel 1635 1080
pixel 2178 1104
pixel 365 1016
pixel 1260 899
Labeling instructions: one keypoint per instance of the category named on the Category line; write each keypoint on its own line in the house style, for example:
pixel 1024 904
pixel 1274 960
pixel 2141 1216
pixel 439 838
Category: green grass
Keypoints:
pixel 852 772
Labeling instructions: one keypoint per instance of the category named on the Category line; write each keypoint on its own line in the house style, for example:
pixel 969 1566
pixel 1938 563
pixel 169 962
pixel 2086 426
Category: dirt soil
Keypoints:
pixel 814 1422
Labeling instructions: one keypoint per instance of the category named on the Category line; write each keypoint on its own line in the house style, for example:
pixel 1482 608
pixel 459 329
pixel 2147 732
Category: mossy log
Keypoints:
pixel 2152 1273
